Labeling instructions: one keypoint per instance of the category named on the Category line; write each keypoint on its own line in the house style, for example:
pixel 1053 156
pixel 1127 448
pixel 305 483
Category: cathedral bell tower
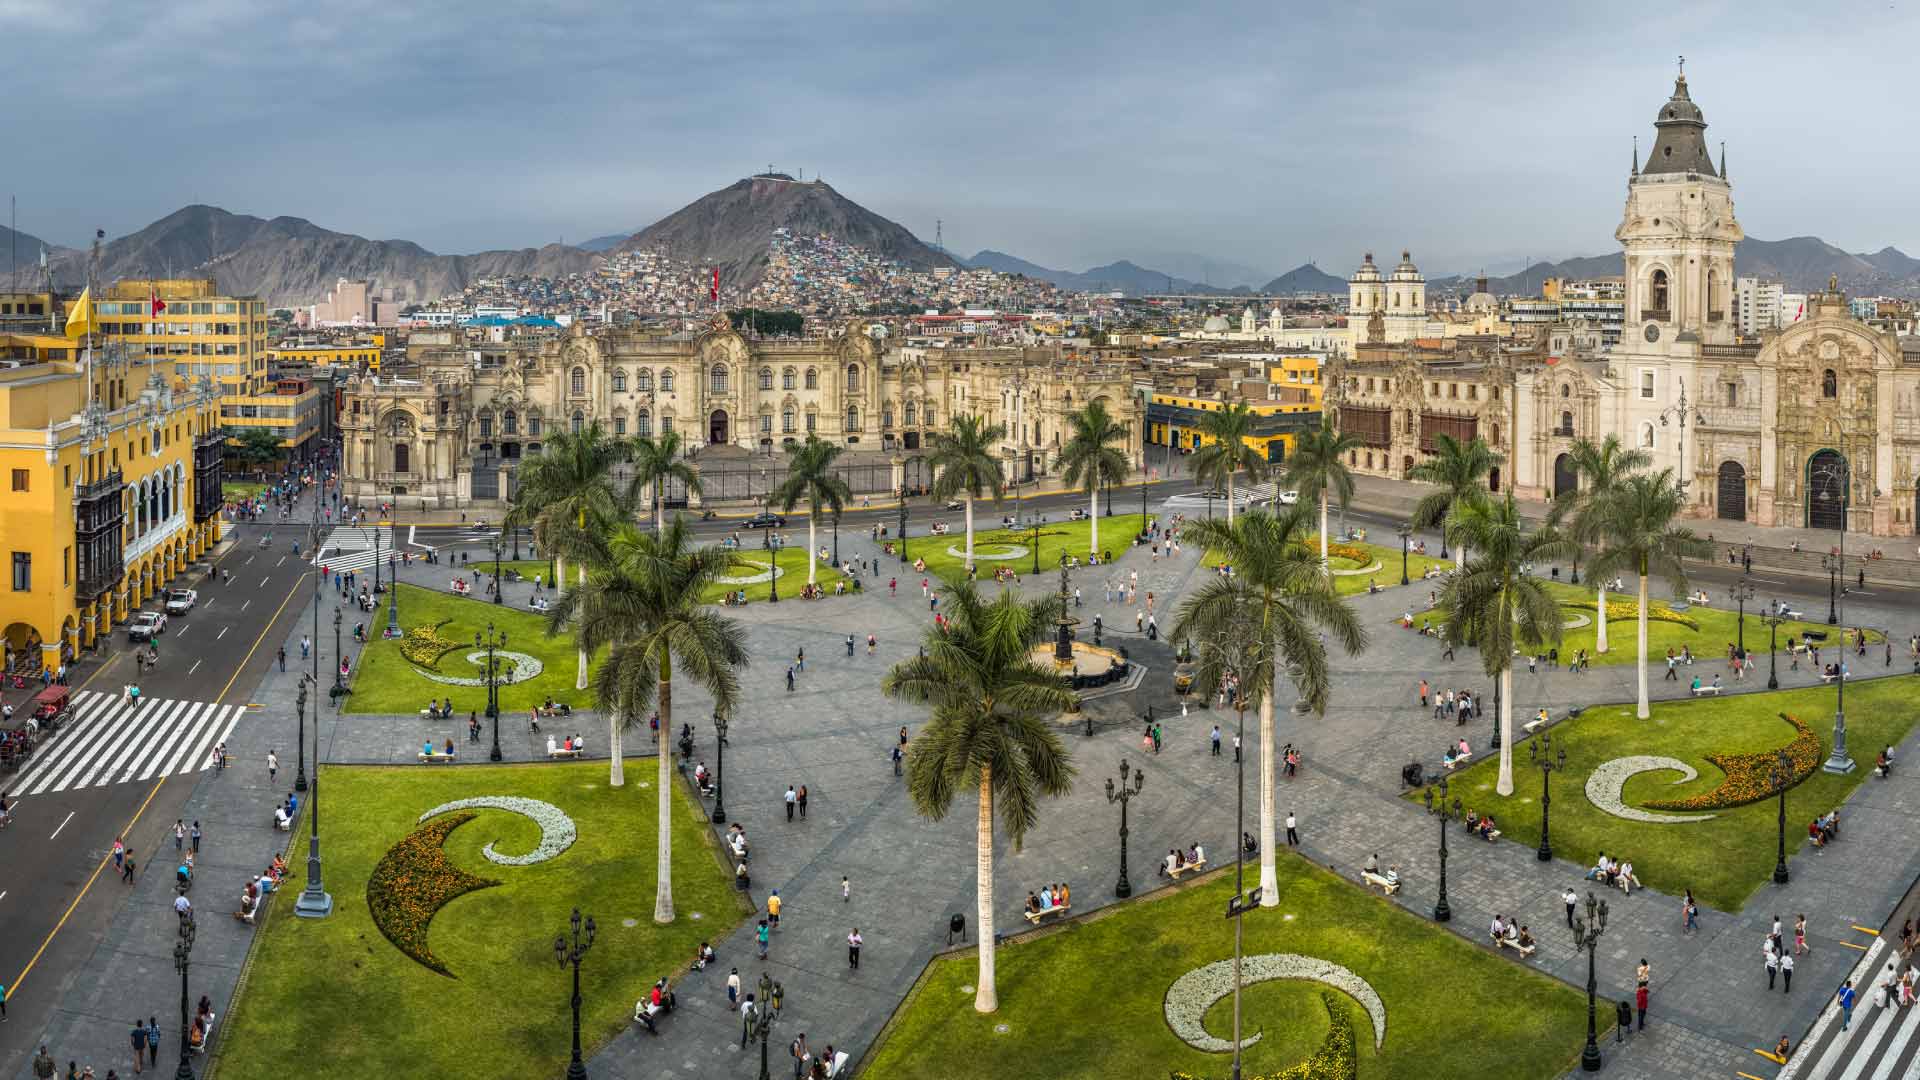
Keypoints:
pixel 1679 233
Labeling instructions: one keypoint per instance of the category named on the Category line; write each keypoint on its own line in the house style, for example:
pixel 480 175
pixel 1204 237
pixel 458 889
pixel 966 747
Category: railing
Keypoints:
pixel 1729 352
pixel 110 484
pixel 1562 432
pixel 1657 314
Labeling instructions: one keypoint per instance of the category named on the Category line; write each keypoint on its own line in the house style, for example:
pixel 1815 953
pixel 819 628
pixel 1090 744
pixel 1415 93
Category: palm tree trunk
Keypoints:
pixel 617 774
pixel 1229 499
pixel 663 869
pixel 969 531
pixel 580 680
pixel 1269 876
pixel 1325 567
pixel 1600 615
pixel 1505 784
pixel 1093 514
pixel 812 551
pixel 1640 660
pixel 985 998
pixel 559 573
pixel 659 506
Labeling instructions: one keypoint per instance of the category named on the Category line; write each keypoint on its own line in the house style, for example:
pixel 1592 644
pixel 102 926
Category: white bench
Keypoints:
pixel 838 1065
pixel 1534 724
pixel 1035 917
pixel 1825 678
pixel 1514 944
pixel 1183 868
pixel 284 824
pixel 1457 762
pixel 1380 882
pixel 563 752
pixel 644 1012
pixel 436 758
pixel 1706 688
pixel 205 1038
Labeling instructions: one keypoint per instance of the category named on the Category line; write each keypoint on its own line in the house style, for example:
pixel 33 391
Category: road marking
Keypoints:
pixel 249 559
pixel 56 832
pixel 194 668
pixel 182 632
pixel 206 605
pixel 243 605
pixel 1864 930
pixel 221 634
pixel 3 894
pixel 1771 580
pixel 263 582
pixel 277 565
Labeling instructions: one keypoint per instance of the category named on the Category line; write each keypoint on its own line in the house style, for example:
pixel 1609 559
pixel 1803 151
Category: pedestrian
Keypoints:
pixel 854 941
pixel 194 835
pixel 306 643
pixel 1845 998
pixel 1293 837
pixel 733 989
pixel 849 644
pixel 802 800
pixel 1800 935
pixel 1569 899
pixel 119 851
pixel 789 678
pixel 798 1049
pixel 1691 910
pixel 1773 963
pixel 43 1065
pixel 898 756
pixel 760 936
pixel 126 872
pixel 273 766
pixel 1643 974
pixel 153 1042
pixel 791 798
pixel 283 658
pixel 1640 1006
pixel 138 1036
pixel 1786 973
pixel 846 889
pixel 3 1003
pixel 871 642
pixel 179 834
pixel 746 1020
pixel 1215 740
pixel 773 910
pixel 1236 747
pixel 1423 693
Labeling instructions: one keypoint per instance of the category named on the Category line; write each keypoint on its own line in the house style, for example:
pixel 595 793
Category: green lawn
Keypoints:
pixel 1722 860
pixel 235 490
pixel 386 682
pixel 333 998
pixel 1388 560
pixel 1116 535
pixel 792 560
pixel 1453 1009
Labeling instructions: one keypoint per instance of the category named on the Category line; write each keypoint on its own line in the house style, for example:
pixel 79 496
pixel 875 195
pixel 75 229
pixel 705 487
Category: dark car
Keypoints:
pixel 764 520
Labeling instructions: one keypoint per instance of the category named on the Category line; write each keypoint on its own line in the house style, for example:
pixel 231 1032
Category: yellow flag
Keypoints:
pixel 80 319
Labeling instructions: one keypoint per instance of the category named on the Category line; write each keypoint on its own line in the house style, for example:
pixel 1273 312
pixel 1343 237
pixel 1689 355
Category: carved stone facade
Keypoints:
pixel 1398 398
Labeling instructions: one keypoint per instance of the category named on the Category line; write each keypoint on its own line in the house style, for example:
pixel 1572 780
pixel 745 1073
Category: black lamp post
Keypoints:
pixel 1038 521
pixel 498 591
pixel 1123 888
pixel 1406 536
pixel 1835 478
pixel 1780 778
pixel 903 526
pixel 762 1029
pixel 773 570
pixel 572 953
pixel 720 769
pixel 1832 565
pixel 1742 592
pixel 1586 938
pixel 490 640
pixel 338 656
pixel 1773 619
pixel 1442 912
pixel 314 902
pixel 836 539
pixel 376 558
pixel 1543 756
pixel 182 960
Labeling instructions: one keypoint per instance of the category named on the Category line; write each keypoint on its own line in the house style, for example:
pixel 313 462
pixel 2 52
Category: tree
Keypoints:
pixel 569 486
pixel 1636 530
pixel 642 600
pixel 768 323
pixel 1494 605
pixel 1460 469
pixel 1227 453
pixel 656 461
pixel 991 727
pixel 1090 461
pixel 1317 468
pixel 1600 469
pixel 810 478
pixel 1278 577
pixel 964 464
pixel 257 447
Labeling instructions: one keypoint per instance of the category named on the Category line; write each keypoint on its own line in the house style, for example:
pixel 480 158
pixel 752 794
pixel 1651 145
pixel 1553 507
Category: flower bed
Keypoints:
pixel 1336 1059
pixel 413 880
pixel 423 645
pixel 1749 776
pixel 1656 612
pixel 557 831
pixel 1359 556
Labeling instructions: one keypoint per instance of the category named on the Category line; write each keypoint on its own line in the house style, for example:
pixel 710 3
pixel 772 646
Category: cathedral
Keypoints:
pixel 1814 425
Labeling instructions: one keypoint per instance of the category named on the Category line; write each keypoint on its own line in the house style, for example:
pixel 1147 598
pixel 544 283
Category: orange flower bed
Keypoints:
pixel 1749 776
pixel 413 880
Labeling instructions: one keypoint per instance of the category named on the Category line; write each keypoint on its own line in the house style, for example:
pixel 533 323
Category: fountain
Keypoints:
pixel 1087 667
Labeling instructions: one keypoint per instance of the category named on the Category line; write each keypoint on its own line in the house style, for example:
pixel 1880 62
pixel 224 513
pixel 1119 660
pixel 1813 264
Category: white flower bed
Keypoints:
pixel 767 574
pixel 1013 551
pixel 1192 994
pixel 520 668
pixel 1607 781
pixel 1356 573
pixel 1575 622
pixel 557 832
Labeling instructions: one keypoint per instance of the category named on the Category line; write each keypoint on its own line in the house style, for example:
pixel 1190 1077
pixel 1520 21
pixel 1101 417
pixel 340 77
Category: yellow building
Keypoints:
pixel 353 357
pixel 109 495
pixel 290 408
pixel 200 331
pixel 1175 419
pixel 1300 372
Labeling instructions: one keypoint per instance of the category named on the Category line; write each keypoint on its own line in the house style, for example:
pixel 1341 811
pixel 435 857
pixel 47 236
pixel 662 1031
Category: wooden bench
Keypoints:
pixel 1035 917
pixel 1456 762
pixel 435 758
pixel 1183 868
pixel 563 752
pixel 1514 944
pixel 1706 688
pixel 1380 882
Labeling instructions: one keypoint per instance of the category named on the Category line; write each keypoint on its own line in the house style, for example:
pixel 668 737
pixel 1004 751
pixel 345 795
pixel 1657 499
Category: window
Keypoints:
pixel 486 427
pixel 766 378
pixel 1646 385
pixel 810 421
pixel 1660 293
pixel 533 427
pixel 1566 423
pixel 853 418
pixel 666 380
pixel 909 414
pixel 1733 393
pixel 766 423
pixel 1496 436
pixel 643 423
pixel 886 418
pixel 1453 390
pixel 619 381
pixel 66 566
pixel 510 422
pixel 643 380
pixel 786 419
pixel 620 425
pixel 579 422
pixel 19 479
pixel 717 379
pixel 1473 392
pixel 1565 390
pixel 578 385
pixel 666 425
pixel 813 379
pixel 1829 385
pixel 22 571
pixel 786 379
pixel 853 376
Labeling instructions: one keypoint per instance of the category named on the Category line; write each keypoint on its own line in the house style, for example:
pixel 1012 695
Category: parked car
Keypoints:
pixel 181 601
pixel 765 520
pixel 1288 498
pixel 1788 611
pixel 956 504
pixel 146 626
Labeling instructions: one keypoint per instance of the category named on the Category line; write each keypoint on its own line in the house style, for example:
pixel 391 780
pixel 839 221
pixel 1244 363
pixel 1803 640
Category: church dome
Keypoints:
pixel 1367 271
pixel 1406 271
pixel 1218 324
pixel 1680 137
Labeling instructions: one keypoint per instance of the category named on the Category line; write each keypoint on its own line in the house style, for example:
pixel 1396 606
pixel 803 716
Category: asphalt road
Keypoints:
pixel 58 886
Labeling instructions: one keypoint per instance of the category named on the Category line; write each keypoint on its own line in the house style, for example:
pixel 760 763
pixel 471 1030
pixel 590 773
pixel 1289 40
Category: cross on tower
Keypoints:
pixel 1683 66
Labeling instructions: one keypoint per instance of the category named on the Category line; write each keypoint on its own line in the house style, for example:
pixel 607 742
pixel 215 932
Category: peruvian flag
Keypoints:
pixel 155 304
pixel 713 291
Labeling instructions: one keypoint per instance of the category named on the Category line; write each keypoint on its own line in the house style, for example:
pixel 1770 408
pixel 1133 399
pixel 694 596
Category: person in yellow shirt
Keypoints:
pixel 773 910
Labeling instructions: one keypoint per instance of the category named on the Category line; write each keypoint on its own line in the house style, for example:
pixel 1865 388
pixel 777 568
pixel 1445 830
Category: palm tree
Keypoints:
pixel 1318 469
pixel 1090 461
pixel 1460 469
pixel 991 727
pixel 1600 469
pixel 810 478
pixel 1495 606
pixel 1636 530
pixel 1227 452
pixel 964 464
pixel 656 461
pixel 570 487
pixel 1277 576
pixel 643 602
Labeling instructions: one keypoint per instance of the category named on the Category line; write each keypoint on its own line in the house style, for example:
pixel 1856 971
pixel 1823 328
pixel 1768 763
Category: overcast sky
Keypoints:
pixel 1070 135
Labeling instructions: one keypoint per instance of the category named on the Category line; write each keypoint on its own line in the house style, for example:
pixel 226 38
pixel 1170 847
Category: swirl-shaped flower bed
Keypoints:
pixel 557 832
pixel 1750 776
pixel 423 645
pixel 517 667
pixel 1656 612
pixel 1358 555
pixel 413 880
pixel 1337 1058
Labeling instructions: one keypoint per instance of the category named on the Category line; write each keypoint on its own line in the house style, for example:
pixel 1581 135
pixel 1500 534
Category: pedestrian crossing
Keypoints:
pixel 115 740
pixel 1881 1043
pixel 351 548
pixel 1257 495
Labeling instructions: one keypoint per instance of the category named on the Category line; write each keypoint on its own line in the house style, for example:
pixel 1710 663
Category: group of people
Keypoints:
pixel 1456 753
pixel 1511 932
pixel 1616 873
pixel 1178 861
pixel 1824 829
pixel 1459 706
pixel 1481 825
pixel 1048 898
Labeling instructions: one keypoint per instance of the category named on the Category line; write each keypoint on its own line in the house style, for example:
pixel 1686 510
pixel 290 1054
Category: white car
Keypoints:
pixel 181 601
pixel 146 626
pixel 1288 498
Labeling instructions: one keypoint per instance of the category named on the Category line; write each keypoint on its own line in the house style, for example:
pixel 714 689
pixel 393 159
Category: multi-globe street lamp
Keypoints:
pixel 1829 483
pixel 1406 535
pixel 492 640
pixel 1586 938
pixel 1123 795
pixel 572 952
pixel 720 769
pixel 1779 779
pixel 1544 756
pixel 499 548
pixel 1773 618
pixel 1441 911
pixel 1742 592
pixel 313 902
pixel 182 961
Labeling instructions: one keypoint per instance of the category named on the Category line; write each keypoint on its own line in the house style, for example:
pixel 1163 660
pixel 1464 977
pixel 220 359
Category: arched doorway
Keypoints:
pixel 1493 479
pixel 401 464
pixel 1406 467
pixel 1827 490
pixel 1732 492
pixel 1564 478
pixel 717 427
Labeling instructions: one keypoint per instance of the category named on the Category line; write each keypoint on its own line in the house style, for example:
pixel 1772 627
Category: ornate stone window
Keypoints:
pixel 643 423
pixel 620 380
pixel 886 418
pixel 1829 384
pixel 853 418
pixel 643 380
pixel 620 426
pixel 1659 294
pixel 486 427
pixel 910 414
pixel 666 380
pixel 812 421
pixel 717 379
pixel 1566 423
pixel 786 419
pixel 813 379
pixel 577 385
pixel 853 377
pixel 786 379
pixel 510 422
pixel 766 423
pixel 579 421
pixel 533 426
pixel 766 378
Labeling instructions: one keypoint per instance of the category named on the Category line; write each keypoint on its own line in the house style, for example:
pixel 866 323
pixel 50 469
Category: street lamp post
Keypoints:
pixel 182 960
pixel 773 571
pixel 313 902
pixel 836 539
pixel 1543 756
pixel 498 591
pixel 1682 411
pixel 1586 938
pixel 338 689
pixel 1742 592
pixel 1442 912
pixel 1039 520
pixel 1836 477
pixel 491 640
pixel 1406 536
pixel 1773 619
pixel 903 526
pixel 572 953
pixel 1780 778
pixel 1832 566
pixel 1123 888
pixel 762 1029
pixel 720 769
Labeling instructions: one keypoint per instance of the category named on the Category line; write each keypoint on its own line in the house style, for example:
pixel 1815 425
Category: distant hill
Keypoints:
pixel 1122 277
pixel 1803 263
pixel 289 260
pixel 21 251
pixel 731 228
pixel 1305 278
pixel 603 243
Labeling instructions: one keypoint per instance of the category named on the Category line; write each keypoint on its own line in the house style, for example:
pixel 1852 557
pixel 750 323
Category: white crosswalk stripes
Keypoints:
pixel 112 740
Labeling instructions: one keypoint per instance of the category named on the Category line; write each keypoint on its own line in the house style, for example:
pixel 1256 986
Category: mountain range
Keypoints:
pixel 1802 263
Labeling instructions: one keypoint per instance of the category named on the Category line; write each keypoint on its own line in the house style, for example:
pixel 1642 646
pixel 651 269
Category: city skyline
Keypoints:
pixel 1223 136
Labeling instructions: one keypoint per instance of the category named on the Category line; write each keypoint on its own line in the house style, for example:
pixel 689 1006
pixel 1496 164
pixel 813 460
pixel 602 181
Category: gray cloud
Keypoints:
pixel 1070 134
